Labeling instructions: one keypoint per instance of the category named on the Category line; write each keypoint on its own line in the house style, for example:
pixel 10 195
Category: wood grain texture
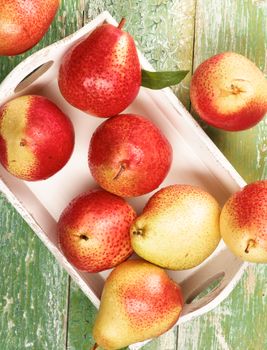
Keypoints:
pixel 82 314
pixel 240 321
pixel 236 324
pixel 33 288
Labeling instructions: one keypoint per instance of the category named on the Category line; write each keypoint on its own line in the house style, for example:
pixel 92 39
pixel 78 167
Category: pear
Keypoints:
pixel 37 138
pixel 229 91
pixel 93 230
pixel 243 222
pixel 24 23
pixel 129 155
pixel 101 74
pixel 139 301
pixel 178 229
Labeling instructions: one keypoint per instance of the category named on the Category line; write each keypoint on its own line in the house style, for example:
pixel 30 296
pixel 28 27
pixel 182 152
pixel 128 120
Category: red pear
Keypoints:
pixel 101 74
pixel 24 23
pixel 36 137
pixel 243 222
pixel 93 230
pixel 129 155
pixel 229 92
pixel 139 302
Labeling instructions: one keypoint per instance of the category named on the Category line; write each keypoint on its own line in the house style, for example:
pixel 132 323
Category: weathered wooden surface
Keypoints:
pixel 40 307
pixel 33 288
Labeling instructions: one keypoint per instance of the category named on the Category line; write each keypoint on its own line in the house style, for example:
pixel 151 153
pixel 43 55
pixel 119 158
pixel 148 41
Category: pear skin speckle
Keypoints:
pixel 139 301
pixel 101 75
pixel 29 21
pixel 129 156
pixel 93 231
pixel 229 91
pixel 28 148
pixel 180 226
pixel 243 222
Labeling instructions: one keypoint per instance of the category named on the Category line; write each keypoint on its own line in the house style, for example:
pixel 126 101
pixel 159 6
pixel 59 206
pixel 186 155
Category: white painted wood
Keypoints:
pixel 196 161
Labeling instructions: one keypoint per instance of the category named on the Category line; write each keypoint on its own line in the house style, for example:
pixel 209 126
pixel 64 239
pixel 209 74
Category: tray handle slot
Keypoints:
pixel 208 287
pixel 33 76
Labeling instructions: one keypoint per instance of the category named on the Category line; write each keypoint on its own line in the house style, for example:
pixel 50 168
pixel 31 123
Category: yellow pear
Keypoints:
pixel 179 227
pixel 139 302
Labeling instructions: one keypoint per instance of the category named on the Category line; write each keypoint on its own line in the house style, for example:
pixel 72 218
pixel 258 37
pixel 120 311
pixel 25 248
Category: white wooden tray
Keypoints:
pixel 196 161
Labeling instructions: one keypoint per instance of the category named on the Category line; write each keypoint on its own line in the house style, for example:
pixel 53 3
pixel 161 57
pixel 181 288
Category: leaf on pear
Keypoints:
pixel 160 80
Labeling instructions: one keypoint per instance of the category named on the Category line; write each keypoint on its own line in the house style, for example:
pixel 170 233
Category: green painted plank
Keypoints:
pixel 163 31
pixel 167 341
pixel 33 288
pixel 82 315
pixel 239 322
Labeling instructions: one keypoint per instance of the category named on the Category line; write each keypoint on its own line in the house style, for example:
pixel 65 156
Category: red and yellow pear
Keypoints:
pixel 93 231
pixel 24 23
pixel 178 229
pixel 129 155
pixel 36 137
pixel 229 91
pixel 139 302
pixel 101 74
pixel 243 222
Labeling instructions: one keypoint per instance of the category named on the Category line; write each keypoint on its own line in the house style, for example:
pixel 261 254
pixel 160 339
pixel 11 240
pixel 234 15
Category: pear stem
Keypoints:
pixel 95 346
pixel 122 22
pixel 122 168
pixel 250 244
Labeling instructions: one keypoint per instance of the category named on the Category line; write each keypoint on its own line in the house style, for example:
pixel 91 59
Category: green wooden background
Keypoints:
pixel 40 307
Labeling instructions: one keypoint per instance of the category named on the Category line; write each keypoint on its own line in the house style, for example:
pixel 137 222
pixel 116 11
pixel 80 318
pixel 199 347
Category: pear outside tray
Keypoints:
pixel 196 161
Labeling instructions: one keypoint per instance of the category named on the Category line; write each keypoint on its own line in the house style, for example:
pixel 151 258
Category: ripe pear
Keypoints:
pixel 229 92
pixel 243 222
pixel 93 230
pixel 101 74
pixel 178 229
pixel 36 137
pixel 129 155
pixel 24 23
pixel 139 302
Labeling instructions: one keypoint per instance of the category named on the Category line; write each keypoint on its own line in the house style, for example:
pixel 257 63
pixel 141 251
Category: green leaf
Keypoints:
pixel 160 80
